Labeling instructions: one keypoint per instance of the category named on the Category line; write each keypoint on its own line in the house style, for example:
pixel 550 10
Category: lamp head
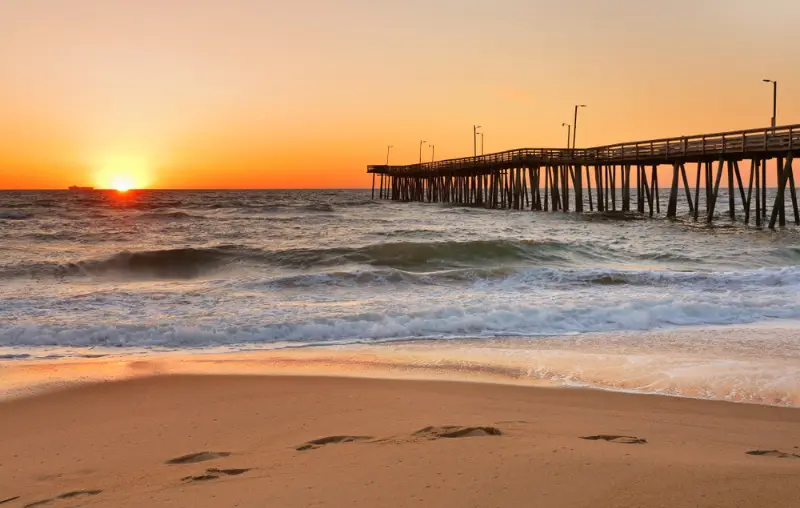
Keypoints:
pixel 767 81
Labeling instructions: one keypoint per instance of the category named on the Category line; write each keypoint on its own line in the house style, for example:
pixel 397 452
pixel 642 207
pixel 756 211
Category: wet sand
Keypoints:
pixel 297 441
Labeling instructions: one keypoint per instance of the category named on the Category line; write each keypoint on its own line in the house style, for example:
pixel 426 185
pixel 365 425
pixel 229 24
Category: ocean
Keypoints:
pixel 624 303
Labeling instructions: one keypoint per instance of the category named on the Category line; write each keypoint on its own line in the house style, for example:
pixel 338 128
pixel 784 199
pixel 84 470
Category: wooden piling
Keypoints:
pixel 731 201
pixel 672 207
pixel 757 171
pixel 748 201
pixel 778 207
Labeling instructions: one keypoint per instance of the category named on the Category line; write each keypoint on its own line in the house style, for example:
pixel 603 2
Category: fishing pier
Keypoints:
pixel 599 178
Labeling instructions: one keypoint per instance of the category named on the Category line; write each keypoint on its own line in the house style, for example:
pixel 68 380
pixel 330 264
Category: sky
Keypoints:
pixel 305 94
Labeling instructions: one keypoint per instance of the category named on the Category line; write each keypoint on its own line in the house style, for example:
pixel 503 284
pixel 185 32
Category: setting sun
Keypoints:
pixel 122 183
pixel 122 173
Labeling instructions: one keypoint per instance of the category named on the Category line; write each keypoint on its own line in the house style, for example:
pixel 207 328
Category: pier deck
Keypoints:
pixel 545 179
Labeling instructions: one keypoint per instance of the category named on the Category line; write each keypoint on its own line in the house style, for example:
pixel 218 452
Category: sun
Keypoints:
pixel 122 183
pixel 122 173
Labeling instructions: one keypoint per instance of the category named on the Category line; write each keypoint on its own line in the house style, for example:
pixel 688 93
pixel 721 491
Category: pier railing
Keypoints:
pixel 778 139
pixel 656 151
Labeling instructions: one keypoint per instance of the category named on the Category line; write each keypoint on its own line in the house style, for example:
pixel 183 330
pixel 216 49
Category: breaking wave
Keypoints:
pixel 513 262
pixel 448 322
pixel 169 263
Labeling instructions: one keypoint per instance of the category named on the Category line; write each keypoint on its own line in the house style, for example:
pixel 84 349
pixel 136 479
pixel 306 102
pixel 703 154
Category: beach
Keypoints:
pixel 318 348
pixel 297 441
pixel 263 254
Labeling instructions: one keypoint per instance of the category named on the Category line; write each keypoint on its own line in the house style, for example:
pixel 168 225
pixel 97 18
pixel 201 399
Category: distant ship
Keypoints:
pixel 77 188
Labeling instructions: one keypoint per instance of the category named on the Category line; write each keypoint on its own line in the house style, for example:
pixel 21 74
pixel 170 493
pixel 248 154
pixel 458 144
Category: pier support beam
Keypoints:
pixel 686 188
pixel 672 206
pixel 778 206
pixel 750 192
pixel 731 199
pixel 712 200
pixel 757 171
pixel 589 188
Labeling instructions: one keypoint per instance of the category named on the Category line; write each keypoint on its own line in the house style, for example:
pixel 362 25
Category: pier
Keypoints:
pixel 600 178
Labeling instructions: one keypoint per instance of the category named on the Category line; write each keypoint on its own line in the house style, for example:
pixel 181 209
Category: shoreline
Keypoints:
pixel 311 440
pixel 745 365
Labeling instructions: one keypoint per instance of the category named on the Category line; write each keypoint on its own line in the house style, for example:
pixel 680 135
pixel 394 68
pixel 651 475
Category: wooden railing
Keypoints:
pixel 752 140
pixel 520 154
pixel 765 140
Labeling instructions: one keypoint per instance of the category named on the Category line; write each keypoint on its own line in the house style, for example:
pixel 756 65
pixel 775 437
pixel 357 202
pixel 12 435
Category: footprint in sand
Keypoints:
pixel 66 495
pixel 214 473
pixel 193 458
pixel 616 439
pixel 452 431
pixel 76 493
pixel 774 453
pixel 317 443
pixel 428 433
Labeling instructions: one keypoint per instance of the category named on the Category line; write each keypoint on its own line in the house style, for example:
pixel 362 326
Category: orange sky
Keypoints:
pixel 265 93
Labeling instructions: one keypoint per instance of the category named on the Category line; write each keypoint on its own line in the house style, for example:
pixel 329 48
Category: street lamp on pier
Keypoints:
pixel 569 128
pixel 774 101
pixel 575 123
pixel 475 140
pixel 388 149
pixel 421 142
pixel 433 152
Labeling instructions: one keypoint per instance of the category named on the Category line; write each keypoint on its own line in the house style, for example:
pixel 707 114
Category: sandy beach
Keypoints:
pixel 297 441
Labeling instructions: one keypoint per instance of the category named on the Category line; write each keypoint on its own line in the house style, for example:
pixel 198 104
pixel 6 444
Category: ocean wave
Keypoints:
pixel 46 203
pixel 443 322
pixel 787 253
pixel 511 262
pixel 169 263
pixel 318 207
pixel 516 277
pixel 432 256
pixel 358 202
pixel 15 215
pixel 423 256
pixel 169 215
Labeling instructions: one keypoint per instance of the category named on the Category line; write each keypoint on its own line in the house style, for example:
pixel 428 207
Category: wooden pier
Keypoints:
pixel 599 178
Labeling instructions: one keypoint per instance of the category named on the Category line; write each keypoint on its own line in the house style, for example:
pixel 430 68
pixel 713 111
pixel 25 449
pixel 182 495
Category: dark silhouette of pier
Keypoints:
pixel 569 179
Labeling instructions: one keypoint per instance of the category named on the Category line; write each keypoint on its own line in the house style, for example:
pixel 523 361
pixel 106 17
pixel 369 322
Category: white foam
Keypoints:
pixel 337 321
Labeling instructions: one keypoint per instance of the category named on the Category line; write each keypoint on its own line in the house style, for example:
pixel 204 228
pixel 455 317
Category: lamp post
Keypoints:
pixel 481 142
pixel 475 140
pixel 433 152
pixel 421 142
pixel 569 128
pixel 388 149
pixel 774 101
pixel 575 123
